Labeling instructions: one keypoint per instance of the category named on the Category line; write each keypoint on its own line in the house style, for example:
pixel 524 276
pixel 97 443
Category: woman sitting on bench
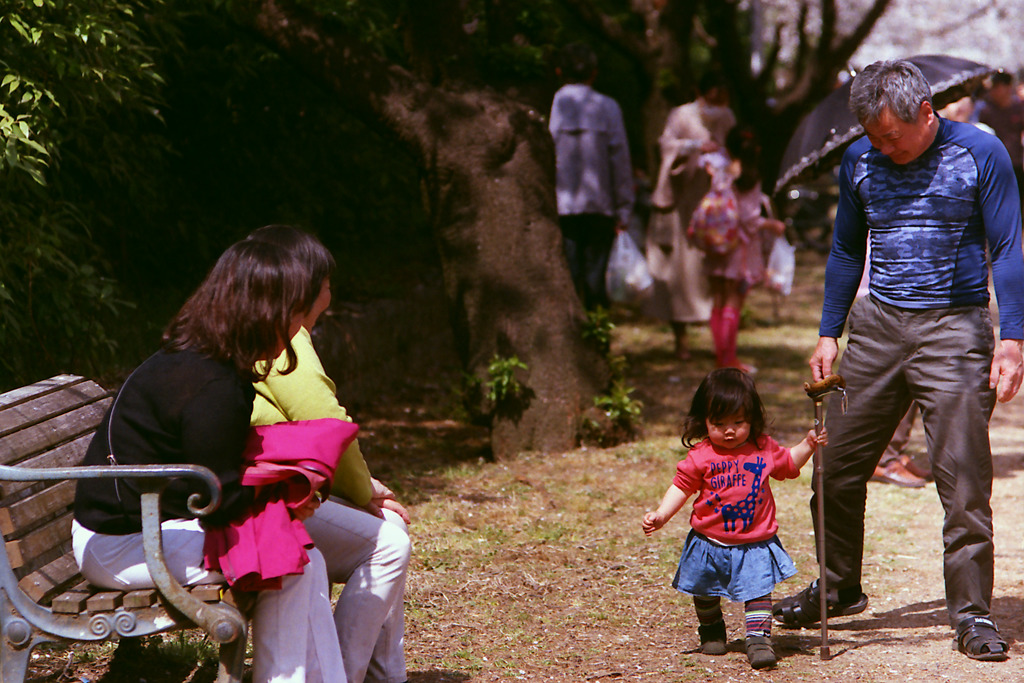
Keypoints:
pixel 190 403
pixel 361 529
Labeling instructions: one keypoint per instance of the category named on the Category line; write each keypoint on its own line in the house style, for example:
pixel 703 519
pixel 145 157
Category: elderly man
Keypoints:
pixel 929 194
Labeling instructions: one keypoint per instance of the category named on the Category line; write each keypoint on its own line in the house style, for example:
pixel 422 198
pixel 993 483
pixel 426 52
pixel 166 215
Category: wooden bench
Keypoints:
pixel 45 429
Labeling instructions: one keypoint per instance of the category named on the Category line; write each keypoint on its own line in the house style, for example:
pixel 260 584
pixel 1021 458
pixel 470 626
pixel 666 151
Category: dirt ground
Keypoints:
pixel 535 568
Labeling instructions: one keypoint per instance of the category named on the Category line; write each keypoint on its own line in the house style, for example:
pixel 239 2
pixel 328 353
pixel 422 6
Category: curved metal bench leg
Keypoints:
pixel 13 663
pixel 17 637
pixel 232 661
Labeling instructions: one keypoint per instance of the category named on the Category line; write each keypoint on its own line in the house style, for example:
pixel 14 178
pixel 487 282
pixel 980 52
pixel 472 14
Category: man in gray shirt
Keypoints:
pixel 594 176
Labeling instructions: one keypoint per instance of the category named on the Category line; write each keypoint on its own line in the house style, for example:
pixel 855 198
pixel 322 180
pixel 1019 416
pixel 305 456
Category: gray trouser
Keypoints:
pixel 941 359
pixel 370 556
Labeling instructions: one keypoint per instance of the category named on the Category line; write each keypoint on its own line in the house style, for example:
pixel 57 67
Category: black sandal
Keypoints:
pixel 804 609
pixel 978 638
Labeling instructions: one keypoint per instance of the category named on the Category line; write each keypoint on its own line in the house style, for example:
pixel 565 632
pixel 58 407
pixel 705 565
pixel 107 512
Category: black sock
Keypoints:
pixel 849 594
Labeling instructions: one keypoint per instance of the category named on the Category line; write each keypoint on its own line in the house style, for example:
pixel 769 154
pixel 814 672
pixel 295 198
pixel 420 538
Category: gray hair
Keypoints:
pixel 897 85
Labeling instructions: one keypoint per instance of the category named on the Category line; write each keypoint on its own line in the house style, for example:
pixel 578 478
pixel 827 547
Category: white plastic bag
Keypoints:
pixel 781 266
pixel 628 278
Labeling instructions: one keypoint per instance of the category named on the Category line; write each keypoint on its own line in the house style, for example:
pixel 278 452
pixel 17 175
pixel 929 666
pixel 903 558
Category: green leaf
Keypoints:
pixel 36 146
pixel 19 26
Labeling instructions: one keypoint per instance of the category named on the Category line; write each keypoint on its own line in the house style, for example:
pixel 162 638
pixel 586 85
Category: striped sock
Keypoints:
pixel 709 610
pixel 759 616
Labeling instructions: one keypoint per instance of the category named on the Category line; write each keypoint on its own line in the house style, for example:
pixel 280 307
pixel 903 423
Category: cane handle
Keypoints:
pixel 826 386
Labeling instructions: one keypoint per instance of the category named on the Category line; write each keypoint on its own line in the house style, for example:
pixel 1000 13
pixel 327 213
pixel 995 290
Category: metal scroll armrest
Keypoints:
pixel 224 623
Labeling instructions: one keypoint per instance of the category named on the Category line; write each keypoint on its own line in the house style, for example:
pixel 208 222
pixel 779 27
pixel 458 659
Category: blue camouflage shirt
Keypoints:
pixel 929 222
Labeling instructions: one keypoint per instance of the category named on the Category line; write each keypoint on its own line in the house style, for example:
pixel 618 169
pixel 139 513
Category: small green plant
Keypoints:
pixel 597 330
pixel 615 417
pixel 502 385
pixel 500 394
pixel 618 415
pixel 620 408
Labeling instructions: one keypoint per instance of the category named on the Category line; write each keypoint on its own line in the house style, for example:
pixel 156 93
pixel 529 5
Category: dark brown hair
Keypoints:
pixel 741 143
pixel 577 62
pixel 725 391
pixel 307 249
pixel 242 311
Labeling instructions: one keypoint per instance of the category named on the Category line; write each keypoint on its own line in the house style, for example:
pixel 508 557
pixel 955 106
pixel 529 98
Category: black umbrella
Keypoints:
pixel 823 135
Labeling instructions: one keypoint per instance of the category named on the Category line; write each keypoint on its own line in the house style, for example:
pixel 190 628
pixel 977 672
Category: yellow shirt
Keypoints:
pixel 307 393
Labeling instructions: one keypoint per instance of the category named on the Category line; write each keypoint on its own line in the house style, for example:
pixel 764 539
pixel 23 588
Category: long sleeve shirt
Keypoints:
pixel 307 393
pixel 929 223
pixel 176 408
pixel 593 169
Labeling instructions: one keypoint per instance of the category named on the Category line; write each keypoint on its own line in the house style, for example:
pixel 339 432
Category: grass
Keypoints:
pixel 535 568
pixel 539 567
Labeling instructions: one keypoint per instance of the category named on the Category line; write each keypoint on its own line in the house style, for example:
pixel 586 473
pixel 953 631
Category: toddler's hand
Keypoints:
pixel 818 439
pixel 652 522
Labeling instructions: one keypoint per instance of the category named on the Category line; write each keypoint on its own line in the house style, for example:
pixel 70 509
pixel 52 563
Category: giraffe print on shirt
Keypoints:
pixel 743 510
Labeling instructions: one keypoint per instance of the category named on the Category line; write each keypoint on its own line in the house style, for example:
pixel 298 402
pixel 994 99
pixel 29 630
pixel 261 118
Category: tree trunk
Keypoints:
pixel 490 192
pixel 488 174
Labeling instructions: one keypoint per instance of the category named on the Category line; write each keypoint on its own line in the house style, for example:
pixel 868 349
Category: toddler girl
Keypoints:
pixel 732 549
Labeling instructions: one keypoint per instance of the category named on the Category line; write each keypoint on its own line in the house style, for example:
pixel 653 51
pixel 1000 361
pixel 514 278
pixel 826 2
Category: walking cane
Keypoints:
pixel 817 392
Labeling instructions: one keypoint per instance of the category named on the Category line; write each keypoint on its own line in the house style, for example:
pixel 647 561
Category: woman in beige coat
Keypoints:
pixel 680 293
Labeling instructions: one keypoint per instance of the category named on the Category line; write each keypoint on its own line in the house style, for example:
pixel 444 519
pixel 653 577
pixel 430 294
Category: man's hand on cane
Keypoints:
pixel 824 356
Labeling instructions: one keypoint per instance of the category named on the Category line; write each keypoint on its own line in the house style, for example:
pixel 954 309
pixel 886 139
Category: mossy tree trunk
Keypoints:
pixel 487 166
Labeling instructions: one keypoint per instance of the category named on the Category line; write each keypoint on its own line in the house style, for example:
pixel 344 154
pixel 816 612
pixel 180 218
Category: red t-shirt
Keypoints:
pixel 734 502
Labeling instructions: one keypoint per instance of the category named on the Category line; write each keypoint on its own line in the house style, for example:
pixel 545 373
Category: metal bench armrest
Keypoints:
pixel 224 623
pixel 141 472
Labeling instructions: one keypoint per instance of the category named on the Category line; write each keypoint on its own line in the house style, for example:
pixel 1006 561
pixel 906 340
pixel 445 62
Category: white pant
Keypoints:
pixel 370 556
pixel 292 638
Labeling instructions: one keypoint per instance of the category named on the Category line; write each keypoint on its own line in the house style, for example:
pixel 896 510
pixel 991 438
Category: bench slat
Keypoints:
pixel 69 603
pixel 16 446
pixel 56 534
pixel 66 455
pixel 46 503
pixel 207 592
pixel 138 599
pixel 47 397
pixel 46 581
pixel 107 601
pixel 41 388
pixel 41 409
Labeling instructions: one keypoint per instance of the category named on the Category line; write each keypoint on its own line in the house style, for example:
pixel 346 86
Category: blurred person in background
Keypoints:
pixel 1004 113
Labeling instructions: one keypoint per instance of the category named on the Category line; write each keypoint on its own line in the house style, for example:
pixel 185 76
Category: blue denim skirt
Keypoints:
pixel 738 572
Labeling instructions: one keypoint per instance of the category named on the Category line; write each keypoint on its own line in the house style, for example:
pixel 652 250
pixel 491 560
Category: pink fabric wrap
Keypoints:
pixel 287 463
